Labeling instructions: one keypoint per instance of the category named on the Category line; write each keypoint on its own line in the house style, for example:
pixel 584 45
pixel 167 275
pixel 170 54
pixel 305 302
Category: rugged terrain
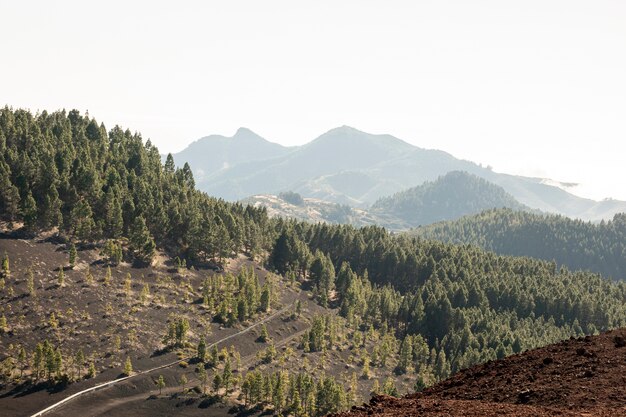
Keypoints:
pixel 576 377
pixel 110 322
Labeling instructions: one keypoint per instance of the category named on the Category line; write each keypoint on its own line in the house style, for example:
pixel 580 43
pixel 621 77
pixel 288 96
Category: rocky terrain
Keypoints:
pixel 576 377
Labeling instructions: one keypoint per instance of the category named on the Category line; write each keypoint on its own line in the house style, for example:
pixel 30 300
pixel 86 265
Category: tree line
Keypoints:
pixel 598 247
pixel 64 170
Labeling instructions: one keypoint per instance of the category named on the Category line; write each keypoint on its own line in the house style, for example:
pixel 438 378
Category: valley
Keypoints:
pixel 116 269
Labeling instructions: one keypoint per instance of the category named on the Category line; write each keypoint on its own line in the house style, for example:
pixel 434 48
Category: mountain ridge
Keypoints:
pixel 348 166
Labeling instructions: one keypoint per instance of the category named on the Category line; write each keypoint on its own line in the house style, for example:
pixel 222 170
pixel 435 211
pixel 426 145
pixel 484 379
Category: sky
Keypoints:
pixel 528 87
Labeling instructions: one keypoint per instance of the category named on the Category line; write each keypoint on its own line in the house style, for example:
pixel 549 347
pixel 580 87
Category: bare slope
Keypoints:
pixel 584 377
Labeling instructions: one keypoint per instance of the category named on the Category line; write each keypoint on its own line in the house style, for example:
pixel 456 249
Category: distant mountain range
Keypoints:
pixel 449 197
pixel 347 166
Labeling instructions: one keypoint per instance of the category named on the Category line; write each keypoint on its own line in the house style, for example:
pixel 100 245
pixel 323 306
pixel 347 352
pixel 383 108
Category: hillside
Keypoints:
pixel 114 268
pixel 312 210
pixel 449 197
pixel 576 377
pixel 576 244
pixel 347 166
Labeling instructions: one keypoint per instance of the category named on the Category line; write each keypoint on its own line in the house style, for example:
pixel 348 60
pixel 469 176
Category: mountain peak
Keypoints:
pixel 245 133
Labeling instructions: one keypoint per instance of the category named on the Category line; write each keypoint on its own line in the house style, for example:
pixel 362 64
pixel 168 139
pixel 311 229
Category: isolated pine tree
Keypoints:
pixel 30 283
pixel 128 367
pixel 201 350
pixel 160 383
pixel 61 277
pixel 72 255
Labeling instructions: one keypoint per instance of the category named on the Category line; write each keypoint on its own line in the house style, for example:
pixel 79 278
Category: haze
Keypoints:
pixel 528 87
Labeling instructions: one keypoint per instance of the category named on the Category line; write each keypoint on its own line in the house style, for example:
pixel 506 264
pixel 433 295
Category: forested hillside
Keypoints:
pixel 451 196
pixel 467 304
pixel 65 170
pixel 576 244
pixel 418 309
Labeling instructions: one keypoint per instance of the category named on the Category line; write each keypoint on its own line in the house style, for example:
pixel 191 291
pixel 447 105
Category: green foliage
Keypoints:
pixel 600 247
pixel 201 351
pixel 458 305
pixel 30 283
pixel 128 367
pixel 61 277
pixel 65 170
pixel 141 242
pixel 449 197
pixel 112 250
pixel 3 324
pixel 6 266
pixel 92 372
pixel 291 198
pixel 72 255
pixel 160 383
pixel 264 337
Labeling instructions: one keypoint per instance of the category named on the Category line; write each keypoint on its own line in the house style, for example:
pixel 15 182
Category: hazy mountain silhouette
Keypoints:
pixel 347 166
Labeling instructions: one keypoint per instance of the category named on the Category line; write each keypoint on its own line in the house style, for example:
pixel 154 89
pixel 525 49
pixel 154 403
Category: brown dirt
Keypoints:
pixel 581 377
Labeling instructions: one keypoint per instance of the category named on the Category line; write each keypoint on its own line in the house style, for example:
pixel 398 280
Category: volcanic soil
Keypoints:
pixel 576 377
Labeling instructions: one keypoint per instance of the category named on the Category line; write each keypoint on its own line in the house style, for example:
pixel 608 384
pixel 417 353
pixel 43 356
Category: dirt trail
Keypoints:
pixel 110 383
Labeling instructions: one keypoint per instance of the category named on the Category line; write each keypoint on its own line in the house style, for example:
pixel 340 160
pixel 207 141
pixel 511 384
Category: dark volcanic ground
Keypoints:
pixel 576 377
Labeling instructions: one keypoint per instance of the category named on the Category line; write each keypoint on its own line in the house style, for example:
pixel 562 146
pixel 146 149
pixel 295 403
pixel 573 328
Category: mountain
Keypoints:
pixel 451 196
pixel 600 248
pixel 575 377
pixel 214 153
pixel 117 273
pixel 347 166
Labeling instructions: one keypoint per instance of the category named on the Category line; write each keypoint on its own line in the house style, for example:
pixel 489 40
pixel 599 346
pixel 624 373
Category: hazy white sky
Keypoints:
pixel 529 87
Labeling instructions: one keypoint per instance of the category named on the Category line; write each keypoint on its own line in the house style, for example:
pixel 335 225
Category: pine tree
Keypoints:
pixel 61 277
pixel 141 242
pixel 108 276
pixel 227 375
pixel 128 367
pixel 80 362
pixel 201 350
pixel 183 382
pixel 160 383
pixel 9 193
pixel 128 285
pixel 354 386
pixel 217 383
pixel 6 269
pixel 29 211
pixel 30 283
pixel 91 373
pixel 375 388
pixel 202 377
pixel 52 321
pixel 389 387
pixel 266 298
pixel 264 337
pixel 72 255
pixel 21 359
pixel 38 361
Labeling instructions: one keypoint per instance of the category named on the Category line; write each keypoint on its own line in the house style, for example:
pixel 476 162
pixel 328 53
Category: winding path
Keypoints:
pixel 107 384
